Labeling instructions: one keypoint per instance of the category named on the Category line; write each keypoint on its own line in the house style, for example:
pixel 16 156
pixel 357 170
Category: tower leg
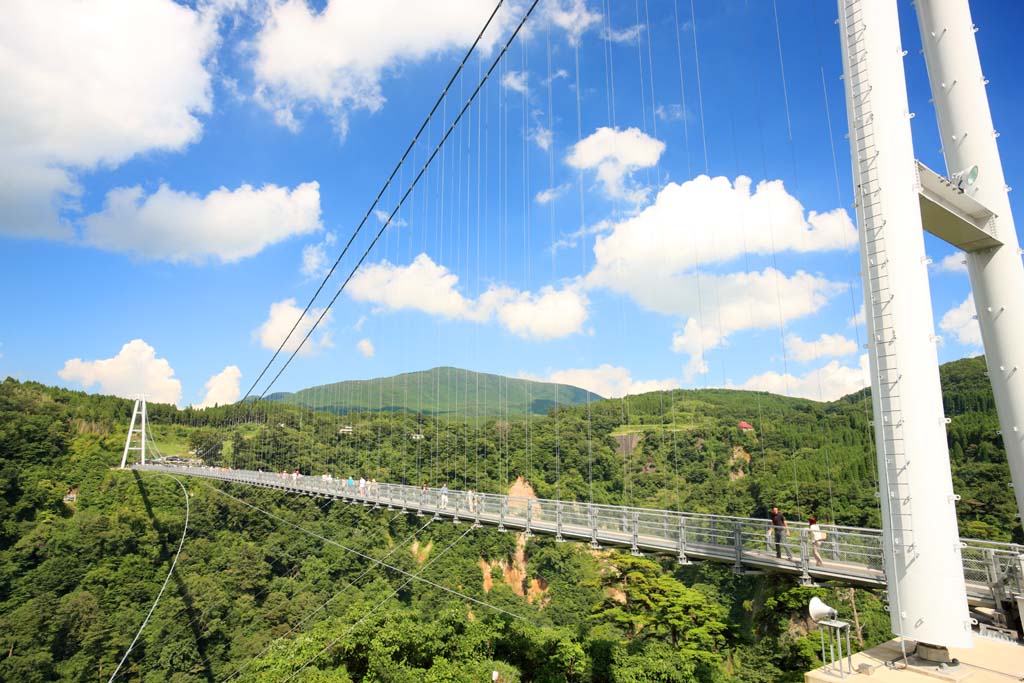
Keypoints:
pixel 997 275
pixel 920 537
pixel 138 416
pixel 131 430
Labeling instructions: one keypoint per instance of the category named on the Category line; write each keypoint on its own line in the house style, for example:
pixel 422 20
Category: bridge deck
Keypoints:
pixel 850 555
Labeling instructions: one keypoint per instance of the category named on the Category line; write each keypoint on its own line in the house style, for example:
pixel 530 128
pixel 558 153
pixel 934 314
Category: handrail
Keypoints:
pixel 850 554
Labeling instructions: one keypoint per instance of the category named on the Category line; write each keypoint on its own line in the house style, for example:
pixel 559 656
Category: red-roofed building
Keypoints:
pixel 745 426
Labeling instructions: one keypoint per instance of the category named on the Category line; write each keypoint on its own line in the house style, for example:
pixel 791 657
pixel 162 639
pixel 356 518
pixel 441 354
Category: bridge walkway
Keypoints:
pixel 994 571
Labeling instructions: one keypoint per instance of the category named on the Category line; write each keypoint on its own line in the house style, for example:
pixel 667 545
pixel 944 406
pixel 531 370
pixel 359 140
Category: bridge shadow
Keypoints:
pixel 166 555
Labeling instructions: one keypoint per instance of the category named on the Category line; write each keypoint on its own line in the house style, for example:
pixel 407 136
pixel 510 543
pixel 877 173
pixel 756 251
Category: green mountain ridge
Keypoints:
pixel 447 391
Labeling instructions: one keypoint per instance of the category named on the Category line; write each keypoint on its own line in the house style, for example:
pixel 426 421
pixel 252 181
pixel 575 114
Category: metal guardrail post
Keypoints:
pixel 1018 590
pixel 737 533
pixel 683 559
pixel 994 576
pixel 529 517
pixel 634 548
pixel 805 575
pixel 558 522
pixel 593 528
pixel 501 514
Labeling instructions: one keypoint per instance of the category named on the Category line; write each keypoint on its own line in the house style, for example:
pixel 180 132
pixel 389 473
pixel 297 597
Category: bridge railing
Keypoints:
pixel 848 551
pixel 1000 565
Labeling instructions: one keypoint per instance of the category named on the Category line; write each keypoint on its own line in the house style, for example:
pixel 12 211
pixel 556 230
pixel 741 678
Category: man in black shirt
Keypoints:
pixel 781 530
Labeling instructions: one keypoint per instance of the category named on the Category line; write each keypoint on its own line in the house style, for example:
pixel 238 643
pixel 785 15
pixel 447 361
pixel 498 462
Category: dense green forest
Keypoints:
pixel 440 391
pixel 269 582
pixel 679 449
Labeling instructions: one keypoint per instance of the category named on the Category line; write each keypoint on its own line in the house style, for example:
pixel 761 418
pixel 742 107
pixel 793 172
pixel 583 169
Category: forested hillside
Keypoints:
pixel 690 452
pixel 441 391
pixel 254 594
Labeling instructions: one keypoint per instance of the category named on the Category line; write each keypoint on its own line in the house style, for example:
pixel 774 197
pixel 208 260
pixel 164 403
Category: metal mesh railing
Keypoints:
pixel 848 553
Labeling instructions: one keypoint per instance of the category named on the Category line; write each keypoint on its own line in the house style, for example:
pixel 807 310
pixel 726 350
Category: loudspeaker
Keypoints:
pixel 818 610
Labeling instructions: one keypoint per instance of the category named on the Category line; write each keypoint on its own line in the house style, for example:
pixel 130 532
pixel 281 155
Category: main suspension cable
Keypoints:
pixel 405 196
pixel 441 98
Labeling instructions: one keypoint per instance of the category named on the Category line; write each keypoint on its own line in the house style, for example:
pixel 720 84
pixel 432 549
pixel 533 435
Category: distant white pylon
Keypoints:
pixel 138 413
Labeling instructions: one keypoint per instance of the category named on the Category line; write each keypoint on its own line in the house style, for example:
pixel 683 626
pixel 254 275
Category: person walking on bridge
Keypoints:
pixel 817 536
pixel 781 530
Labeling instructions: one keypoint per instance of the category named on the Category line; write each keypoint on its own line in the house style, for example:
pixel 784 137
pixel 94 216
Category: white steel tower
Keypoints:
pixel 972 160
pixel 138 414
pixel 924 572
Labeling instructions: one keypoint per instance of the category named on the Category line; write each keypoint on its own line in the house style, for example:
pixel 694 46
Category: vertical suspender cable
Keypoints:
pixel 583 252
pixel 387 183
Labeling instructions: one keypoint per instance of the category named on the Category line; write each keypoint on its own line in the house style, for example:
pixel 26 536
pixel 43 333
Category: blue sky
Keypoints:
pixel 177 177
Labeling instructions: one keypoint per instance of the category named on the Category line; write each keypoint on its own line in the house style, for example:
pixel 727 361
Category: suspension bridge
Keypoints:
pixel 918 550
pixel 850 555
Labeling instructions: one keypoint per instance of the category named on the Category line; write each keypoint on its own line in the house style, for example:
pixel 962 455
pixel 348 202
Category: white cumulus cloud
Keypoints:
pixel 134 370
pixel 431 288
pixel 314 257
pixel 550 314
pixel 422 285
pixel 953 263
pixel 227 225
pixel 625 35
pixel 615 154
pixel 335 59
pixel 711 220
pixel 282 317
pixel 573 238
pixel 314 260
pixel 825 346
pixel 827 383
pixel 560 73
pixel 695 340
pixel 90 84
pixel 551 194
pixel 222 389
pixel 858 318
pixel 571 15
pixel 365 347
pixel 733 302
pixel 654 257
pixel 606 380
pixel 515 80
pixel 961 321
pixel 673 112
pixel 543 137
pixel 382 216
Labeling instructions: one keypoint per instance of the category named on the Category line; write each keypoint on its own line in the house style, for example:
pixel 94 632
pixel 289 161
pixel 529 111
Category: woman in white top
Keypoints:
pixel 817 536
